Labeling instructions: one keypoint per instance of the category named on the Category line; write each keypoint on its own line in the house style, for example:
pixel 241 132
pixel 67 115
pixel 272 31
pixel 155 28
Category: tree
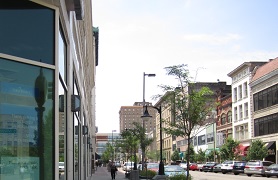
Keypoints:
pixel 189 105
pixel 191 154
pixel 230 150
pixel 201 156
pixel 154 155
pixel 257 150
pixel 175 156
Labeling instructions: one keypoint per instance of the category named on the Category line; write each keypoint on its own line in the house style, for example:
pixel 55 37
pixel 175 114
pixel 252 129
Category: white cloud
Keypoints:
pixel 212 39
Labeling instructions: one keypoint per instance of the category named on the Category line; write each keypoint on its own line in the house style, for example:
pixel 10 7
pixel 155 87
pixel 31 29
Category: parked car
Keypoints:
pixel 183 165
pixel 200 166
pixel 61 166
pixel 118 164
pixel 128 166
pixel 239 167
pixel 217 168
pixel 227 166
pixel 209 167
pixel 153 166
pixel 193 166
pixel 172 170
pixel 272 170
pixel 256 167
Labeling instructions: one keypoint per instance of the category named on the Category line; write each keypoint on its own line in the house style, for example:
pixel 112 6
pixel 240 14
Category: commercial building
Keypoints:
pixel 241 102
pixel 48 56
pixel 264 88
pixel 130 114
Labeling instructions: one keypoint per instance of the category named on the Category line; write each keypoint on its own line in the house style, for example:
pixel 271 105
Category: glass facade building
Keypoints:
pixel 47 113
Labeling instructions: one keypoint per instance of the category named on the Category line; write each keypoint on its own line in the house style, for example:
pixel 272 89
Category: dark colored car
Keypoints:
pixel 208 167
pixel 272 170
pixel 239 167
pixel 217 168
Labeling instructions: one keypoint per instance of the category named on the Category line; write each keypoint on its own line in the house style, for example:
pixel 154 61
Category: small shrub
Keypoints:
pixel 180 177
pixel 148 173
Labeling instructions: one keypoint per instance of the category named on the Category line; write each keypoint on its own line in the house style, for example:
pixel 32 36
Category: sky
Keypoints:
pixel 212 37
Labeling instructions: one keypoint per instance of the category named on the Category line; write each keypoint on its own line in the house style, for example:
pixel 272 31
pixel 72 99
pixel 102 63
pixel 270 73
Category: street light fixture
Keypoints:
pixel 144 75
pixel 147 116
pixel 113 145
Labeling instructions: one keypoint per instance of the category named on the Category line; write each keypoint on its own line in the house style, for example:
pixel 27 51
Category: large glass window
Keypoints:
pixel 26 121
pixel 27 30
pixel 266 125
pixel 266 98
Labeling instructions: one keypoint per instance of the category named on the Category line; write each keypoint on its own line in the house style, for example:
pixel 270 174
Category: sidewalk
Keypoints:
pixel 102 174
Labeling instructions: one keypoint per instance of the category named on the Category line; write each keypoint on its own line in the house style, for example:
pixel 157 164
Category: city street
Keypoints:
pixel 197 175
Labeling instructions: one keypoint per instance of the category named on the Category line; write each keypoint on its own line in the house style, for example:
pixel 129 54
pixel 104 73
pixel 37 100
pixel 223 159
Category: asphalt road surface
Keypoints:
pixel 197 175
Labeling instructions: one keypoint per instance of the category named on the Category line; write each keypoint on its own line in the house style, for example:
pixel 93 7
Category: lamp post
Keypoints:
pixel 146 116
pixel 112 145
pixel 143 150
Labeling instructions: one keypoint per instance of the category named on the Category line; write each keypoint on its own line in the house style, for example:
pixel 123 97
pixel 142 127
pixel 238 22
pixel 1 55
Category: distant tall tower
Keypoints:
pixel 130 114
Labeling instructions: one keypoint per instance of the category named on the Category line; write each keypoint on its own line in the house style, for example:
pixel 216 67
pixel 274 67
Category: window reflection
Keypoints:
pixel 26 121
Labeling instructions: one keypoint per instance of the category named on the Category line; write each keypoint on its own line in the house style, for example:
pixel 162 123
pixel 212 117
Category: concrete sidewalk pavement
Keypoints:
pixel 102 174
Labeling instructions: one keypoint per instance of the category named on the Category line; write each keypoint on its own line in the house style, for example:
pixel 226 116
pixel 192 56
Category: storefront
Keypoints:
pixel 271 150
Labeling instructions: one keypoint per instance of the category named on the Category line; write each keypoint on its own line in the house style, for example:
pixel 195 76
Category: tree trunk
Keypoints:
pixel 187 158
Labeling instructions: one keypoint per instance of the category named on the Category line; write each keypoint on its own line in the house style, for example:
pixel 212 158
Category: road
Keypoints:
pixel 197 175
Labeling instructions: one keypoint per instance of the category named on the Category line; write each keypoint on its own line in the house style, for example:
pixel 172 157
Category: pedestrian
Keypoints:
pixel 113 169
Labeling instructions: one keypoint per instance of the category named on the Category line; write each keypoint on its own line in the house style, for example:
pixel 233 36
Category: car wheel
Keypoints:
pixel 236 173
pixel 263 175
pixel 223 172
pixel 269 176
pixel 249 175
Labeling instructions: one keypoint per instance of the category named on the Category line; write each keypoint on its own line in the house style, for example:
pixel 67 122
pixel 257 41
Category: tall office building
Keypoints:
pixel 130 114
pixel 48 57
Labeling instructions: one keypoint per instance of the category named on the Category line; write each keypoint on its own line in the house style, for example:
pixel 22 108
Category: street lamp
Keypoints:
pixel 147 116
pixel 112 145
pixel 144 75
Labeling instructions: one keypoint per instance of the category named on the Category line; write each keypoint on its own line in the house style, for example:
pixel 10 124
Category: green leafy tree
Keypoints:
pixel 201 156
pixel 175 156
pixel 154 155
pixel 190 105
pixel 107 154
pixel 191 154
pixel 257 150
pixel 230 150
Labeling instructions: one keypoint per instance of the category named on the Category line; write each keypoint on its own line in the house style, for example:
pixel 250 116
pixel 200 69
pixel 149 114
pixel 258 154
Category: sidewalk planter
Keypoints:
pixel 149 174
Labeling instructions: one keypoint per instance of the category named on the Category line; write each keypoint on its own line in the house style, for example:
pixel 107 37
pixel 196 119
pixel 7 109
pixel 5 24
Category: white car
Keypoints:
pixel 128 166
pixel 227 166
pixel 61 166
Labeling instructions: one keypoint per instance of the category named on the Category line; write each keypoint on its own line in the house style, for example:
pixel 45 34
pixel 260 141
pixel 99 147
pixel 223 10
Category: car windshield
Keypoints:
pixel 173 169
pixel 153 166
pixel 253 163
pixel 273 166
pixel 240 164
pixel 61 163
pixel 128 164
pixel 228 162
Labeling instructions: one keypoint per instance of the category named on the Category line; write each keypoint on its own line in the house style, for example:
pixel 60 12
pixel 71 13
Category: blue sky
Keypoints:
pixel 212 37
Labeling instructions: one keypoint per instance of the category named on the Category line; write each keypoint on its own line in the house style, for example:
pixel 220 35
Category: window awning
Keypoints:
pixel 243 150
pixel 269 144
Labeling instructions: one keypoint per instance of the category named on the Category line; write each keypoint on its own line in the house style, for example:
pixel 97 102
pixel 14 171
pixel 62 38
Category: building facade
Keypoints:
pixel 241 102
pixel 47 88
pixel 130 114
pixel 264 88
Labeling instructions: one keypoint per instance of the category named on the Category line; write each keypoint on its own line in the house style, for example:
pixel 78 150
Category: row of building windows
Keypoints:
pixel 266 125
pixel 226 118
pixel 266 98
pixel 241 112
pixel 240 92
